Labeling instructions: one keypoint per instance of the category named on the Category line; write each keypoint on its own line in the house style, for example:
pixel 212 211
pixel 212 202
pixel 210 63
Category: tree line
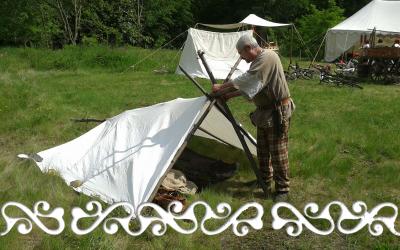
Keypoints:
pixel 151 23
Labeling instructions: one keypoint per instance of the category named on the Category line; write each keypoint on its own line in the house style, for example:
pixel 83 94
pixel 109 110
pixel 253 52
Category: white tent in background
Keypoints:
pixel 252 20
pixel 220 48
pixel 380 14
pixel 221 53
pixel 126 157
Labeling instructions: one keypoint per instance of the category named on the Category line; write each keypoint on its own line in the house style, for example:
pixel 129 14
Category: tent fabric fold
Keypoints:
pixel 126 157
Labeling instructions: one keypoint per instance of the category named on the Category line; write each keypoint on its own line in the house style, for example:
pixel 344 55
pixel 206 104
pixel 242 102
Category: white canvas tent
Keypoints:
pixel 252 20
pixel 380 14
pixel 220 48
pixel 126 157
pixel 221 54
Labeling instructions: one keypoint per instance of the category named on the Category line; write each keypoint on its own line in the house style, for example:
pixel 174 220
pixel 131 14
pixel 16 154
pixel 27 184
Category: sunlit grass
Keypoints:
pixel 344 143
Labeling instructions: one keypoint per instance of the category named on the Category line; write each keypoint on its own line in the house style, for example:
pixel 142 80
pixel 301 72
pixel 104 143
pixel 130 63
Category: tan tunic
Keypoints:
pixel 264 83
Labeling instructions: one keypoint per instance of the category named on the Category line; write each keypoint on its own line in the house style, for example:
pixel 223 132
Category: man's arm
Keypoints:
pixel 232 94
pixel 222 89
pixel 226 90
pixel 219 87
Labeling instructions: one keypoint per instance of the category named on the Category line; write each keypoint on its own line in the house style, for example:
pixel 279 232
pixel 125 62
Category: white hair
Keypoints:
pixel 246 40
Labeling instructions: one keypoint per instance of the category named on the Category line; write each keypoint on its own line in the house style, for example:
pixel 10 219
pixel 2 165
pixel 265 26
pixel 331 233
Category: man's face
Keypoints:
pixel 246 54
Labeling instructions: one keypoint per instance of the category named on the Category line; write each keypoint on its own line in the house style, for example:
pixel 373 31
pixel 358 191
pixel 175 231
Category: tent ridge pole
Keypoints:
pixel 217 105
pixel 253 164
pixel 216 137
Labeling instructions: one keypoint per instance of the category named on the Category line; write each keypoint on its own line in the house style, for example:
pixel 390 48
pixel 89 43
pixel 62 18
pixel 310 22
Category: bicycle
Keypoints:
pixel 337 79
pixel 294 72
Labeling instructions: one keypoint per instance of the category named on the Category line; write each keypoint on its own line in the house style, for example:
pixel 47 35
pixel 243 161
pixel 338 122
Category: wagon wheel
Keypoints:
pixel 378 71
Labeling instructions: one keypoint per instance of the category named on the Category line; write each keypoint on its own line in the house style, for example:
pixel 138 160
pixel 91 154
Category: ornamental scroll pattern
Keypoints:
pixel 24 224
pixel 359 215
pixel 170 217
pixel 158 223
pixel 186 221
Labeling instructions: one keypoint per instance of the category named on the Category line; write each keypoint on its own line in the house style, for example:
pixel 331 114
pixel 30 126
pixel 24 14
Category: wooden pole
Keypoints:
pixel 228 77
pixel 253 163
pixel 218 106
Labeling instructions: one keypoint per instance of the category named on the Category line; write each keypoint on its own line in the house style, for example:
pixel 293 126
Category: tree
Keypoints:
pixel 351 6
pixel 115 21
pixel 164 20
pixel 28 23
pixel 69 13
pixel 313 26
pixel 289 11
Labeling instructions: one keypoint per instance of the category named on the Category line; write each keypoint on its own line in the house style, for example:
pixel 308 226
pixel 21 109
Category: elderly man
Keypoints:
pixel 265 85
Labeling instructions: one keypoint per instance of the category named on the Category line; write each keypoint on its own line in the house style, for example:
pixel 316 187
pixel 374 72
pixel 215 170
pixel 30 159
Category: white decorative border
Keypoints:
pixel 158 223
pixel 359 213
pixel 24 225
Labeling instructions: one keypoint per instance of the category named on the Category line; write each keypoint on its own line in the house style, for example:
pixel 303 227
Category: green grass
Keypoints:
pixel 344 144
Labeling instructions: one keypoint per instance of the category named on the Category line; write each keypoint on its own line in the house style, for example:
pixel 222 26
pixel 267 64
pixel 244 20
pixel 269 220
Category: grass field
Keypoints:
pixel 344 145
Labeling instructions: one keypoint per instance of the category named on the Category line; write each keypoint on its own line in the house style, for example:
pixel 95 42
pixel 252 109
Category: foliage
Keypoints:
pixel 313 26
pixel 164 20
pixel 55 23
pixel 28 23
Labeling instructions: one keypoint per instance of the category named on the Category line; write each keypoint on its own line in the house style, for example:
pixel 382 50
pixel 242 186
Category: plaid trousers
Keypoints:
pixel 272 154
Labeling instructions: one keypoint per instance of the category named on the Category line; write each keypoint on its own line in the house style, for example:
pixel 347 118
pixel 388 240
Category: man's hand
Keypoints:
pixel 216 87
pixel 224 91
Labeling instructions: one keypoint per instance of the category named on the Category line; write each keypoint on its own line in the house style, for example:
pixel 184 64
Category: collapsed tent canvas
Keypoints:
pixel 126 157
pixel 380 14
pixel 221 54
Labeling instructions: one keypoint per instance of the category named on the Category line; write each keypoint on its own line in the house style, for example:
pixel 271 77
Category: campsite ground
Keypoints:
pixel 344 145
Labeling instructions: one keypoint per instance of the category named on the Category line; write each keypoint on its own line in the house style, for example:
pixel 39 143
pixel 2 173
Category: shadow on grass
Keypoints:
pixel 239 189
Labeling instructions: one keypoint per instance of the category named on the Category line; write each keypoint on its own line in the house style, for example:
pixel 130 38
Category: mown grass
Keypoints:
pixel 344 144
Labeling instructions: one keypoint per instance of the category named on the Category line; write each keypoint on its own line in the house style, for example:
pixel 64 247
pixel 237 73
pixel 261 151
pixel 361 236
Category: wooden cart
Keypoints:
pixel 384 62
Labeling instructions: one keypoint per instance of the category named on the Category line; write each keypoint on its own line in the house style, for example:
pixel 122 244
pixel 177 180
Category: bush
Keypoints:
pixel 312 27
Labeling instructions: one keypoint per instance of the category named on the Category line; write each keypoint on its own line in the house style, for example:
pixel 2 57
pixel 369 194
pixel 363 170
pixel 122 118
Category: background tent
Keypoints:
pixel 221 54
pixel 252 20
pixel 126 157
pixel 380 14
pixel 220 48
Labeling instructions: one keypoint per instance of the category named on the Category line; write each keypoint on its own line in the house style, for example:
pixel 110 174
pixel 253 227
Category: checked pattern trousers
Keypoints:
pixel 272 154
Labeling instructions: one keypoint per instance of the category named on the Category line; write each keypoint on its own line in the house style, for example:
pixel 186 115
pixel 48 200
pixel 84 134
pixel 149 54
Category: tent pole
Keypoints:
pixel 182 147
pixel 303 43
pixel 291 46
pixel 214 136
pixel 320 46
pixel 253 163
pixel 194 82
pixel 218 106
pixel 244 132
